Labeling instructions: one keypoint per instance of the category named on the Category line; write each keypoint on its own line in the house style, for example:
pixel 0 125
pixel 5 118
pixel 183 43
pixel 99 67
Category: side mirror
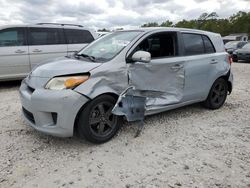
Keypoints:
pixel 141 56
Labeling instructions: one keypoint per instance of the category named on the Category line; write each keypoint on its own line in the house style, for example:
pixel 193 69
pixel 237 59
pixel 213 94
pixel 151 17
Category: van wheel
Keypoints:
pixel 217 95
pixel 96 123
pixel 235 59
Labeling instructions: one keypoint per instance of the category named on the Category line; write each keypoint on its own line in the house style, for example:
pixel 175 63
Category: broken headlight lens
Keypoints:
pixel 66 82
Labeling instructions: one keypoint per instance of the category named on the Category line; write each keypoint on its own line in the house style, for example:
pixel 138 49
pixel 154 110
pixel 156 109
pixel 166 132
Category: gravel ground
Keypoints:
pixel 186 147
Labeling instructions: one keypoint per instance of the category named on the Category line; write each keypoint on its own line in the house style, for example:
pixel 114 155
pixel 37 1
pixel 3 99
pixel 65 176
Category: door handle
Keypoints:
pixel 19 51
pixel 176 67
pixel 213 61
pixel 37 50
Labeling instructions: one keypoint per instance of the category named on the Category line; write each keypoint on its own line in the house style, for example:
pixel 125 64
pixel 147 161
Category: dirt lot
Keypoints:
pixel 187 147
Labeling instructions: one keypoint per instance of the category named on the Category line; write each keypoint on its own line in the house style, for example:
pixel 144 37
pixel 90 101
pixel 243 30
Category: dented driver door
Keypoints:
pixel 156 76
pixel 161 81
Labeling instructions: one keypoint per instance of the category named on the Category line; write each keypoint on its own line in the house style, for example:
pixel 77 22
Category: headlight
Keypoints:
pixel 65 82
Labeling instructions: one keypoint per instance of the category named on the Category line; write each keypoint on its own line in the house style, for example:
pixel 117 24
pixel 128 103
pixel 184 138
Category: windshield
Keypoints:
pixel 246 46
pixel 107 47
pixel 231 44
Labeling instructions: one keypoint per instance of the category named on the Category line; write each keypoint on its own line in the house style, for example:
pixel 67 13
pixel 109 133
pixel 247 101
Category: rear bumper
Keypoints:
pixel 51 112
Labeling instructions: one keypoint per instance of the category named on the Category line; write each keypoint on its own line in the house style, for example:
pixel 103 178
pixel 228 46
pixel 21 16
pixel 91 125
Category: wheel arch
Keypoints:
pixel 112 94
pixel 226 78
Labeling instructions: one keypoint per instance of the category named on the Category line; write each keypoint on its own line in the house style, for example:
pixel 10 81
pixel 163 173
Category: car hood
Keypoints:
pixel 40 75
pixel 230 49
pixel 63 66
pixel 243 50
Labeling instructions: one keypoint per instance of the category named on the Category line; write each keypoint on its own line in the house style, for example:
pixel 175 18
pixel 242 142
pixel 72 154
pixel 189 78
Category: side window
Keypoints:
pixel 209 48
pixel 44 36
pixel 193 44
pixel 12 37
pixel 76 36
pixel 159 45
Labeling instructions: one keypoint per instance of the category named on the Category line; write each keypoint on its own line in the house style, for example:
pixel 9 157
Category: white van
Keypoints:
pixel 24 46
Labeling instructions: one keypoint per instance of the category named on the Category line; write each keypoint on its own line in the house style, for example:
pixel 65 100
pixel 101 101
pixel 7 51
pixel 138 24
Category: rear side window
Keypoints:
pixel 209 48
pixel 193 44
pixel 76 36
pixel 44 36
pixel 12 37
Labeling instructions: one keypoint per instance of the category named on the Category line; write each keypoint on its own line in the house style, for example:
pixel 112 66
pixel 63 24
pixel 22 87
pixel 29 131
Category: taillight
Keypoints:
pixel 230 60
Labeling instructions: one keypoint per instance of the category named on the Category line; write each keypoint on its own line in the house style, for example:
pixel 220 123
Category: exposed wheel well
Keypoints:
pixel 77 116
pixel 226 77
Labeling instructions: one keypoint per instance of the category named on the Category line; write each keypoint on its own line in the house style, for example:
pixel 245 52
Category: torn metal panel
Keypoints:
pixel 130 106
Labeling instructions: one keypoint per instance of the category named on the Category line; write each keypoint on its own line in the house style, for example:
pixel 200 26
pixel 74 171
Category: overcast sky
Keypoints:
pixel 113 13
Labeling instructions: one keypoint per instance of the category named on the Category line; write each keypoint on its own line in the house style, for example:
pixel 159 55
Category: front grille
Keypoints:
pixel 28 115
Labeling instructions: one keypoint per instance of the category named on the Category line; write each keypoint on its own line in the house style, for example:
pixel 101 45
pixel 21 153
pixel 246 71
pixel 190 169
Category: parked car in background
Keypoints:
pixel 24 46
pixel 102 33
pixel 170 67
pixel 235 37
pixel 242 54
pixel 234 45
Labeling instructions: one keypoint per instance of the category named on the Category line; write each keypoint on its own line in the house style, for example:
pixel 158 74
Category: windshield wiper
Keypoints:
pixel 91 58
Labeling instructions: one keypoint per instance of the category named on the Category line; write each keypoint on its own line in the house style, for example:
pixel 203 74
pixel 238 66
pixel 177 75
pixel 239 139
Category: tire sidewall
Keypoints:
pixel 209 99
pixel 83 126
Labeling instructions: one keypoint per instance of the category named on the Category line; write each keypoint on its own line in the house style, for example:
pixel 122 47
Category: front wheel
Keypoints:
pixel 217 95
pixel 235 59
pixel 96 123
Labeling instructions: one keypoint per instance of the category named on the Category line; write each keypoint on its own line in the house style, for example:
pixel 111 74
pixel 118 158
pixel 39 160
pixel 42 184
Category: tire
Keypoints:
pixel 235 60
pixel 217 95
pixel 96 123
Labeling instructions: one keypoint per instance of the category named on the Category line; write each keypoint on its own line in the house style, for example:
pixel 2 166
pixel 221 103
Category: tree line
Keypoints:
pixel 237 23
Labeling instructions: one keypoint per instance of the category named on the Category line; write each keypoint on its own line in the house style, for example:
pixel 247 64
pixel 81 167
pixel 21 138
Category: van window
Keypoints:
pixel 209 48
pixel 193 44
pixel 44 36
pixel 159 45
pixel 76 36
pixel 12 37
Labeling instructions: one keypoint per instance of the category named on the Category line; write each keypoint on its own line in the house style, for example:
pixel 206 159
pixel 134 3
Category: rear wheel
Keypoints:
pixel 96 123
pixel 217 95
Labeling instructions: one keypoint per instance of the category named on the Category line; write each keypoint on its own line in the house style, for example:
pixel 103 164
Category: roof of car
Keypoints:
pixel 150 29
pixel 47 25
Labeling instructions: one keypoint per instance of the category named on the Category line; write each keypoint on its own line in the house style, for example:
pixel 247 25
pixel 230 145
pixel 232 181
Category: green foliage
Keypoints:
pixel 103 30
pixel 151 24
pixel 167 24
pixel 237 23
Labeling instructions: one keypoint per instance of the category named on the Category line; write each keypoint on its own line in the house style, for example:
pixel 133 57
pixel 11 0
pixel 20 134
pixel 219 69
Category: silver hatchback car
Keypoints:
pixel 130 73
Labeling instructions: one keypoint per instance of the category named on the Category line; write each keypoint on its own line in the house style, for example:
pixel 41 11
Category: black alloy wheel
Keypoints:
pixel 217 95
pixel 96 123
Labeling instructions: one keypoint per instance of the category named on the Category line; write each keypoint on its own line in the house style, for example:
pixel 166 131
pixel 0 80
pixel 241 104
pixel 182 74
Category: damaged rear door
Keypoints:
pixel 158 82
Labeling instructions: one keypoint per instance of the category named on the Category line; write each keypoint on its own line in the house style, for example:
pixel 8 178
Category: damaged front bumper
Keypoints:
pixel 49 111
